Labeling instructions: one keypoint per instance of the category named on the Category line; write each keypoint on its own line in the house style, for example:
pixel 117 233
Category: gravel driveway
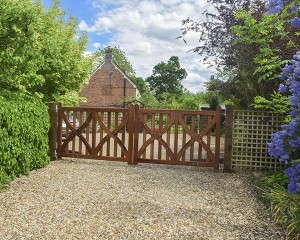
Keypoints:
pixel 85 199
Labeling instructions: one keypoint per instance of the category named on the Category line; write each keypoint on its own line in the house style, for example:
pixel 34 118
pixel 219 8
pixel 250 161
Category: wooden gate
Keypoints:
pixel 177 137
pixel 136 135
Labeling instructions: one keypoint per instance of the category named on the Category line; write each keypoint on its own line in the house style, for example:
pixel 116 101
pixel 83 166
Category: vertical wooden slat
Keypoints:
pixel 87 130
pixel 116 114
pixel 123 136
pixel 109 127
pixel 168 136
pixel 208 136
pixel 217 138
pixel 80 124
pixel 94 132
pixel 153 130
pixel 184 138
pixel 133 138
pixel 67 114
pixel 74 125
pixel 144 135
pixel 59 130
pixel 101 133
pixel 175 135
pixel 192 148
pixel 200 128
pixel 228 139
pixel 53 130
pixel 161 116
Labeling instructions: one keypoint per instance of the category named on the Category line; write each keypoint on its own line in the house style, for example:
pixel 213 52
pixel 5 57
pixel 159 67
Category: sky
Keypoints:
pixel 145 30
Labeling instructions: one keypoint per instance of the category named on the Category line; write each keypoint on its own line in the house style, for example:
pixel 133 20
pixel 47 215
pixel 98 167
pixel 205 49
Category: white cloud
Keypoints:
pixel 146 31
pixel 96 45
pixel 84 27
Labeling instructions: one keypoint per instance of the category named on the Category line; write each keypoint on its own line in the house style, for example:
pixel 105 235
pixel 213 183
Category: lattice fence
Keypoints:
pixel 251 132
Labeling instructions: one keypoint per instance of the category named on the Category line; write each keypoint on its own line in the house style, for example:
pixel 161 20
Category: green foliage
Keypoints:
pixel 213 103
pixel 141 85
pixel 277 104
pixel 148 99
pixel 191 101
pixel 4 178
pixel 40 49
pixel 272 37
pixel 71 98
pixel 284 207
pixel 188 101
pixel 270 42
pixel 24 125
pixel 166 78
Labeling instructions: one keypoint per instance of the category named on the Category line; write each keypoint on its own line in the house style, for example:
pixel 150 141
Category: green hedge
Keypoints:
pixel 24 125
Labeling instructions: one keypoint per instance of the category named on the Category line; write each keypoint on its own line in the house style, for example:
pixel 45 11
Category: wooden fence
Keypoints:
pixel 182 137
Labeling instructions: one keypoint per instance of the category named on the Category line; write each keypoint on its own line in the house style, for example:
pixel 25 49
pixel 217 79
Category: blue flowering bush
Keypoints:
pixel 282 190
pixel 285 144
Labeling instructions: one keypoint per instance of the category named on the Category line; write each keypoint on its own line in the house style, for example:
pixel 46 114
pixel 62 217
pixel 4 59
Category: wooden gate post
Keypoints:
pixel 218 137
pixel 136 133
pixel 53 130
pixel 131 132
pixel 228 139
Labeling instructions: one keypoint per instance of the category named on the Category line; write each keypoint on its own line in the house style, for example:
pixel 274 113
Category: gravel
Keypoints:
pixel 87 199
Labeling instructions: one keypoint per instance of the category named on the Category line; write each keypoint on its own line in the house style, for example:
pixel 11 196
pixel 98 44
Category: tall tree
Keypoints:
pixel 215 36
pixel 40 50
pixel 216 44
pixel 166 78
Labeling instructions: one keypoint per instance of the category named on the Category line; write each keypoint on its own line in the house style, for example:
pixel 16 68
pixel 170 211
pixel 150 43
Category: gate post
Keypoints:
pixel 52 134
pixel 131 130
pixel 136 133
pixel 218 137
pixel 228 139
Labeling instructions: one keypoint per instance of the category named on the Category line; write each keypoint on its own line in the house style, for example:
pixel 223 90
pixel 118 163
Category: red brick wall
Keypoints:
pixel 106 87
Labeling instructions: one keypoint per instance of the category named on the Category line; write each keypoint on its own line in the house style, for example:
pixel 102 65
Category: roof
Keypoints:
pixel 120 70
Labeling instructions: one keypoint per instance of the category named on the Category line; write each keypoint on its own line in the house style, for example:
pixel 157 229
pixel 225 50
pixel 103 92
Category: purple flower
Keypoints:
pixel 293 172
pixel 274 6
pixel 285 144
pixel 282 88
pixel 296 57
pixel 294 8
pixel 287 69
pixel 295 22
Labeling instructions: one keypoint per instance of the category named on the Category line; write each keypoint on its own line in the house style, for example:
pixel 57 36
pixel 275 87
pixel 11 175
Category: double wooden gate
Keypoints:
pixel 136 135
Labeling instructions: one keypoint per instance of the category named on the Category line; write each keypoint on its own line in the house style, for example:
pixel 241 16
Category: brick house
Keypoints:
pixel 108 85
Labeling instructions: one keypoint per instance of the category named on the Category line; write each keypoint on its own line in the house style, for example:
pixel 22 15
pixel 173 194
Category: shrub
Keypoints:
pixel 24 126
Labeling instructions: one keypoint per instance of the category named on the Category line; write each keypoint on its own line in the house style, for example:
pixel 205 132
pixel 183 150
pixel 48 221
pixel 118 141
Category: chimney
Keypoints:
pixel 108 55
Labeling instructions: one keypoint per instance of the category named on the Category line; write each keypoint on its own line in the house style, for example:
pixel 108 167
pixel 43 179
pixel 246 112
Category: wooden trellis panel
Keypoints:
pixel 252 131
